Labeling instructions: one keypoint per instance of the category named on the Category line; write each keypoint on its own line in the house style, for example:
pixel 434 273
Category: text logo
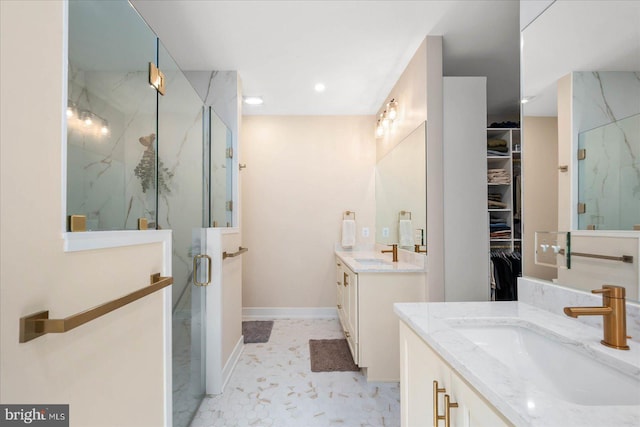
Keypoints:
pixel 34 415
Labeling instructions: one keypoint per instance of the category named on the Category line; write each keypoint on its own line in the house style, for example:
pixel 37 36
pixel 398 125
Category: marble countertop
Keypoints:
pixel 517 399
pixel 350 258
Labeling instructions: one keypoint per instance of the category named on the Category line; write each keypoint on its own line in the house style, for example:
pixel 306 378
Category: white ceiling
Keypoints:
pixel 358 49
pixel 574 35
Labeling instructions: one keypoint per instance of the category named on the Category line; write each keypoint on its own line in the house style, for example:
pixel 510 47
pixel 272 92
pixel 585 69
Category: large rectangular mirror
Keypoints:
pixel 581 132
pixel 401 192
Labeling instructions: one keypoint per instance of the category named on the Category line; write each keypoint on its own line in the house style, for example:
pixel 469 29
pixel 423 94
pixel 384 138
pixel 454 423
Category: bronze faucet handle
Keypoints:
pixel 611 291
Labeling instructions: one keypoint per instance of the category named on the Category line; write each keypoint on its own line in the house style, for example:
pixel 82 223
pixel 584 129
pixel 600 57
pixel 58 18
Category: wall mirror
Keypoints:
pixel 401 192
pixel 592 48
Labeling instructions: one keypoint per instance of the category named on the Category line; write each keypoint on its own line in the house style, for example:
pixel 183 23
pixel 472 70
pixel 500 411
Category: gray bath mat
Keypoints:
pixel 257 331
pixel 331 356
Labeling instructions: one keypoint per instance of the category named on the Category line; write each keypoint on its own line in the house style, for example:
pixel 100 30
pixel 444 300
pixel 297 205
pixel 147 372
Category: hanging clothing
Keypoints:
pixel 507 267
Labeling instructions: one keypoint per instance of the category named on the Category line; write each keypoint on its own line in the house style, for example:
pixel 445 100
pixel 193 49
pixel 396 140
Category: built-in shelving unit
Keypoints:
pixel 503 188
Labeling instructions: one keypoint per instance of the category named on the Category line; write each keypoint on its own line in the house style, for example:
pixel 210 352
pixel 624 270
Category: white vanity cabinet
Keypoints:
pixel 365 308
pixel 347 304
pixel 420 366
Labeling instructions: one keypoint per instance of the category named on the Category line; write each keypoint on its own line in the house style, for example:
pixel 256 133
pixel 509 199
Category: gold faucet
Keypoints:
pixel 393 251
pixel 418 250
pixel 613 312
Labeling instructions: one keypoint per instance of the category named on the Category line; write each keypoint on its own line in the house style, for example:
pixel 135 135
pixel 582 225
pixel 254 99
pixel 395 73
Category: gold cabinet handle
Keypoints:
pixel 338 283
pixel 436 391
pixel 345 279
pixel 447 410
pixel 339 307
pixel 346 334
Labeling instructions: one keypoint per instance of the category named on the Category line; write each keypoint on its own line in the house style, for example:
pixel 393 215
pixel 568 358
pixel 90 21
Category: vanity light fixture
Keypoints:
pixel 386 121
pixel 71 110
pixel 387 118
pixel 104 129
pixel 392 109
pixel 85 117
pixel 253 100
pixel 320 87
pixel 379 130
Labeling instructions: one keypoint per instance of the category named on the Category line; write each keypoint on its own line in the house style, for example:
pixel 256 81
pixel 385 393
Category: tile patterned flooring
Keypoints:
pixel 273 386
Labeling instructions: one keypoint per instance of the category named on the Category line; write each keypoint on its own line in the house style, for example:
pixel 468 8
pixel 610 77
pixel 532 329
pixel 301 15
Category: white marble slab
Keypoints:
pixel 518 400
pixel 406 263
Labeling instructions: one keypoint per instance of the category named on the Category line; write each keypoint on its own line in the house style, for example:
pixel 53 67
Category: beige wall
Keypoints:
pixel 302 173
pixel 111 370
pixel 540 188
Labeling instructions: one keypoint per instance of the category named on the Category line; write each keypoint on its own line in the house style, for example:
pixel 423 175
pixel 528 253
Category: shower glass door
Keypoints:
pixel 181 208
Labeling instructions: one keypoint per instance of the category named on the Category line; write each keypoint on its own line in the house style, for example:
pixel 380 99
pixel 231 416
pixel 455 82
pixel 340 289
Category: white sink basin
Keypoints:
pixel 372 261
pixel 553 364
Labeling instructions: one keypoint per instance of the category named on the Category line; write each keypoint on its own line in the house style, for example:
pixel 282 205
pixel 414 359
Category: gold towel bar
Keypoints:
pixel 37 324
pixel 624 258
pixel 240 251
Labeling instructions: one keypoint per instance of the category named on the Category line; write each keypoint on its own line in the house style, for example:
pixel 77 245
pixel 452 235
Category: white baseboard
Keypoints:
pixel 268 313
pixel 231 362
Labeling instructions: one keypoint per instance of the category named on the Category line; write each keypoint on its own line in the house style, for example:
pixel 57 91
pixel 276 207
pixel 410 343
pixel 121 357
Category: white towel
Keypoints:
pixel 348 233
pixel 405 230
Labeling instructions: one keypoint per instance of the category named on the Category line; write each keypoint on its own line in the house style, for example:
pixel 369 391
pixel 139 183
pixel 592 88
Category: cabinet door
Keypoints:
pixel 420 367
pixel 473 410
pixel 350 299
pixel 340 293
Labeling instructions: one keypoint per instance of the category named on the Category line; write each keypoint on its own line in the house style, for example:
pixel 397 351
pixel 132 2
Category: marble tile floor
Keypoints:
pixel 273 386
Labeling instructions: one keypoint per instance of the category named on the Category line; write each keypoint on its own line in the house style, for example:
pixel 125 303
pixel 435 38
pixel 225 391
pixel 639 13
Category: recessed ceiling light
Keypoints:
pixel 320 87
pixel 253 100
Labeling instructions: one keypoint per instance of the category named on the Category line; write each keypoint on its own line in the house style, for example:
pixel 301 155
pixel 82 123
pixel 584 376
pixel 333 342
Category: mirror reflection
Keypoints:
pixel 401 192
pixel 581 106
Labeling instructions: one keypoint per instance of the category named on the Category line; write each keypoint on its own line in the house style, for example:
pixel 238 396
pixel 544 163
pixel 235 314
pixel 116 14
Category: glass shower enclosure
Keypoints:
pixel 133 153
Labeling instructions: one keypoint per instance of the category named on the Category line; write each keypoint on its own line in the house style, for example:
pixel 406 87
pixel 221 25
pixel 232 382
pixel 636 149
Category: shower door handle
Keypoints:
pixel 195 270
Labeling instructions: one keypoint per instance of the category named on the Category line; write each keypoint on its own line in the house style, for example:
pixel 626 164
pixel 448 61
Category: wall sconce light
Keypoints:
pixel 392 109
pixel 386 118
pixel 88 121
pixel 379 130
pixel 104 129
pixel 85 117
pixel 71 110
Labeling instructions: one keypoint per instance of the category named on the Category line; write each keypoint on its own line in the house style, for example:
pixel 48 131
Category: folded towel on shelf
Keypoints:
pixel 348 233
pixel 496 143
pixel 496 205
pixel 492 152
pixel 405 231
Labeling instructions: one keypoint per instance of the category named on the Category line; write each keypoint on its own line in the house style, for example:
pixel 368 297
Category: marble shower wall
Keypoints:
pixel 606 115
pixel 101 179
pixel 108 80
